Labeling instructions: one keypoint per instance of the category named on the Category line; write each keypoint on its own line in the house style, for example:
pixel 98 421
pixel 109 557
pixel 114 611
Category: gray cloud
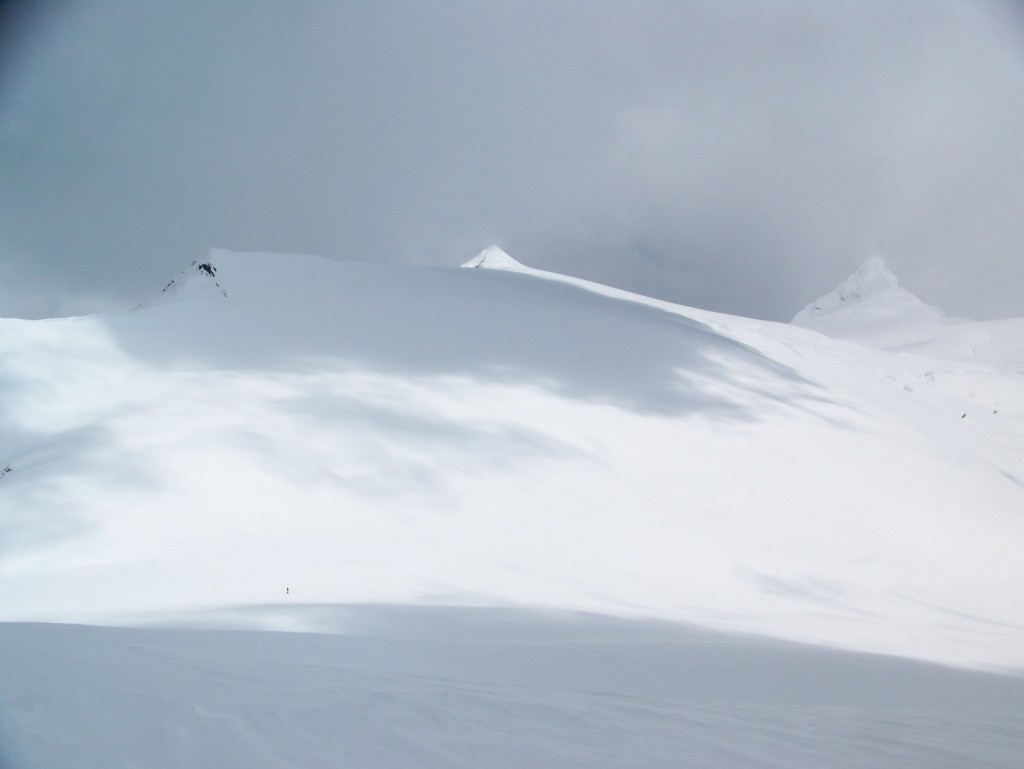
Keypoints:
pixel 737 156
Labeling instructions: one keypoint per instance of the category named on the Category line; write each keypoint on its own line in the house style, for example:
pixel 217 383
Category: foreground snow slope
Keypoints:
pixel 481 689
pixel 281 428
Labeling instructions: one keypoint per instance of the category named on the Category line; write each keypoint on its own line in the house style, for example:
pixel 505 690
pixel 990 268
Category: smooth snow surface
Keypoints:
pixel 355 433
pixel 275 442
pixel 444 688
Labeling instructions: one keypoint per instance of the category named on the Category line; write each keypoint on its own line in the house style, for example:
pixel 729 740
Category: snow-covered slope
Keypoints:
pixel 485 689
pixel 352 450
pixel 284 428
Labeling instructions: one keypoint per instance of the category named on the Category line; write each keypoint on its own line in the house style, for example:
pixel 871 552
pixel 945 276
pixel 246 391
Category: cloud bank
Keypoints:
pixel 740 156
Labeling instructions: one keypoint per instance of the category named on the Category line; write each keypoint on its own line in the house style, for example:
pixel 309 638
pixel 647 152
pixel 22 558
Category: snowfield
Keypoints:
pixel 510 518
pixel 482 688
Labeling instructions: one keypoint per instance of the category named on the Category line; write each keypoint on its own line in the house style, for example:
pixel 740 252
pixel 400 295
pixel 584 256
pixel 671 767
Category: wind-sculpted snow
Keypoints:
pixel 429 687
pixel 290 429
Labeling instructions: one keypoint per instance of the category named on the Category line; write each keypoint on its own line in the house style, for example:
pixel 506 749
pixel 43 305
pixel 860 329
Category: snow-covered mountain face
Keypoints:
pixel 872 289
pixel 285 428
pixel 870 307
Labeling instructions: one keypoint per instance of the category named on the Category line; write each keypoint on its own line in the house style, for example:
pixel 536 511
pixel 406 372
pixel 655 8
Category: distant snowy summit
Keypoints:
pixel 870 307
pixel 200 276
pixel 871 291
pixel 494 258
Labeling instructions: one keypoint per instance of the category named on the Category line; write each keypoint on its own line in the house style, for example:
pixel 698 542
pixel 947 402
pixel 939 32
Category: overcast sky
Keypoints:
pixel 738 156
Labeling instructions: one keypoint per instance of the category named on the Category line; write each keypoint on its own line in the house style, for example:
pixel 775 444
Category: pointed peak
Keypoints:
pixel 199 273
pixel 494 258
pixel 872 284
pixel 870 278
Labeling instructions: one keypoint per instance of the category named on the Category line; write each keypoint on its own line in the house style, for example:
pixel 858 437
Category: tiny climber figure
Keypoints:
pixel 287 590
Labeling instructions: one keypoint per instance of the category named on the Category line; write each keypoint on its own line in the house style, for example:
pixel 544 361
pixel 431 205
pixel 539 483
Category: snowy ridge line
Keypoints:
pixel 494 258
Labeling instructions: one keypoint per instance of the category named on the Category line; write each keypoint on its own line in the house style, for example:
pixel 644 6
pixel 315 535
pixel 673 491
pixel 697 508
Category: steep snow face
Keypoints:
pixel 872 282
pixel 872 291
pixel 349 433
pixel 872 308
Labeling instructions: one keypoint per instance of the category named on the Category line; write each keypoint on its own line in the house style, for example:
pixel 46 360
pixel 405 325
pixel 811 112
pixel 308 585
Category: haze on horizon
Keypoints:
pixel 740 157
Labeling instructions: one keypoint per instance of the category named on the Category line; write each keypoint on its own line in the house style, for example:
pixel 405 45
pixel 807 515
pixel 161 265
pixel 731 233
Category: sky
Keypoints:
pixel 743 157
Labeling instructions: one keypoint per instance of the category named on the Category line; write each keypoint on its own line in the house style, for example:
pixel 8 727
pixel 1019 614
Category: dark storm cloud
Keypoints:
pixel 738 156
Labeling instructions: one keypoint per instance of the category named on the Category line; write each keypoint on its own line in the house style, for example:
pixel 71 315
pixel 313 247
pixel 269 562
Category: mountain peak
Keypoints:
pixel 872 285
pixel 198 276
pixel 494 258
pixel 870 278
